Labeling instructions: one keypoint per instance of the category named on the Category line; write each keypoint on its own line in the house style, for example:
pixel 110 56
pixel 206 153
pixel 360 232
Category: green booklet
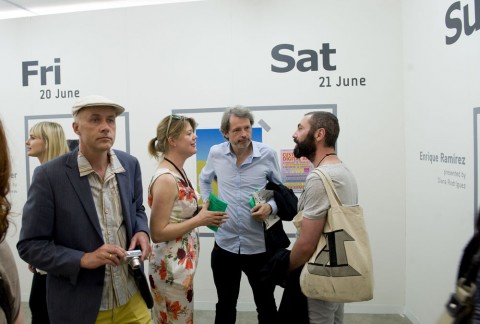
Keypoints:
pixel 216 205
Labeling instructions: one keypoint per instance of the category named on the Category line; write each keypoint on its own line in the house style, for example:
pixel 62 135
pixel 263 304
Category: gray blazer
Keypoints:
pixel 60 224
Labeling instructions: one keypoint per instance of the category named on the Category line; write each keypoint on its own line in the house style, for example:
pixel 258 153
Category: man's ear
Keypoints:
pixel 75 128
pixel 319 134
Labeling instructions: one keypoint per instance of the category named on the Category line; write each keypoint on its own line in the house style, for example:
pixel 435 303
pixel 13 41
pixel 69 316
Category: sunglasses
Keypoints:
pixel 176 117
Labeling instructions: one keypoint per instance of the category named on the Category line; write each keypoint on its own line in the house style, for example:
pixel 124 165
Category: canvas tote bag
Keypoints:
pixel 341 268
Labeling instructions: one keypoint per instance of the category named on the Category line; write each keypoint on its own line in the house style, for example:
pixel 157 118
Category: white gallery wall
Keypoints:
pixel 441 90
pixel 417 95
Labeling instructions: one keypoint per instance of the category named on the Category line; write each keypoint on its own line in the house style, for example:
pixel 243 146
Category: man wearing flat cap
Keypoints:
pixel 84 211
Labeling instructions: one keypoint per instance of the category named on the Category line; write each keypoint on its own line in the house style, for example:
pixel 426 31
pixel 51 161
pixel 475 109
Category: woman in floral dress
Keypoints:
pixel 175 216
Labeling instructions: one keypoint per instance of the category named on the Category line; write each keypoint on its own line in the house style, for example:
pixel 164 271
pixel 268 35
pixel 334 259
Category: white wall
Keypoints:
pixel 441 90
pixel 216 54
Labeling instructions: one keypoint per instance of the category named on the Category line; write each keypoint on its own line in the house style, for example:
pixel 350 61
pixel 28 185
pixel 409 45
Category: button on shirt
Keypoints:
pixel 118 287
pixel 241 233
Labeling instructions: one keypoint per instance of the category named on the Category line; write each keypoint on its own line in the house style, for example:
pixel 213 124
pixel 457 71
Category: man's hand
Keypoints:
pixel 106 254
pixel 32 269
pixel 143 240
pixel 260 212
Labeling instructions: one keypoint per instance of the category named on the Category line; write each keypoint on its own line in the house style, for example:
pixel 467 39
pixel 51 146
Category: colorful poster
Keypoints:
pixel 294 171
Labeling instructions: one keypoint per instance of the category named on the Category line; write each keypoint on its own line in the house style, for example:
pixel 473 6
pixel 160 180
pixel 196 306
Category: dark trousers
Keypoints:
pixel 227 270
pixel 293 306
pixel 38 299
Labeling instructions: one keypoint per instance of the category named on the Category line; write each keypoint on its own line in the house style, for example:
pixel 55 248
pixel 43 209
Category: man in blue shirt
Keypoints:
pixel 240 166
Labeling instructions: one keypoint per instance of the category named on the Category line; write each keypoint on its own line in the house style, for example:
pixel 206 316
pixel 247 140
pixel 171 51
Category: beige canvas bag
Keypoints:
pixel 341 268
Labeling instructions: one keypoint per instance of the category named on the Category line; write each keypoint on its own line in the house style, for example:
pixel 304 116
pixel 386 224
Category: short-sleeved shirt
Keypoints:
pixel 314 200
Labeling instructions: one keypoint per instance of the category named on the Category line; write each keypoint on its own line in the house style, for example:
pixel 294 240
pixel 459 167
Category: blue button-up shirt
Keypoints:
pixel 241 233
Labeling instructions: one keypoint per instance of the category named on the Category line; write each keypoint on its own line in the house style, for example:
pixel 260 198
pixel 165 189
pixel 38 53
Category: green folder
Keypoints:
pixel 216 205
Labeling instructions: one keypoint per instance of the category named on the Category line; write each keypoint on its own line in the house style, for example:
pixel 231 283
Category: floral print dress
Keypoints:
pixel 172 264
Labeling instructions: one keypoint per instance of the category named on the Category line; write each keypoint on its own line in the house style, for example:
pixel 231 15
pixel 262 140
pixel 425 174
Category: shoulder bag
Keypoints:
pixel 341 268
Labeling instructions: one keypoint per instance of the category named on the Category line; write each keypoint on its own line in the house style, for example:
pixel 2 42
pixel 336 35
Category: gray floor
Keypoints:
pixel 207 317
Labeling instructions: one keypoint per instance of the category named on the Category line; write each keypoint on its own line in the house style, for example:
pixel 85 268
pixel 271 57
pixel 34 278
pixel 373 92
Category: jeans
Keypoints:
pixel 227 270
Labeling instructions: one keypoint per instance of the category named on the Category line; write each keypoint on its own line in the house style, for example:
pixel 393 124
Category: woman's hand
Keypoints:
pixel 211 218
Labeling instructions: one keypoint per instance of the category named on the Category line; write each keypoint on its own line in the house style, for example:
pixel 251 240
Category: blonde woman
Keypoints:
pixel 45 142
pixel 175 216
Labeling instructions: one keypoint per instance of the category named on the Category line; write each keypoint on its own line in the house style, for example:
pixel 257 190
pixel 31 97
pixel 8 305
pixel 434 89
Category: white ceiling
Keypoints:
pixel 27 8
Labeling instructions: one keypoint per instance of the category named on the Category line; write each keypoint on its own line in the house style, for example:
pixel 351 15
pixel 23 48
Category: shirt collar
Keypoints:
pixel 227 149
pixel 85 167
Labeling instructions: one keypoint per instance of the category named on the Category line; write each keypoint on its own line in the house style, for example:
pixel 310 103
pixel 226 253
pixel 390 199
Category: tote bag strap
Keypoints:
pixel 331 192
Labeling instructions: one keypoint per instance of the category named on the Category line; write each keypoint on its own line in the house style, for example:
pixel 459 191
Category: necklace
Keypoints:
pixel 187 181
pixel 328 154
pixel 183 174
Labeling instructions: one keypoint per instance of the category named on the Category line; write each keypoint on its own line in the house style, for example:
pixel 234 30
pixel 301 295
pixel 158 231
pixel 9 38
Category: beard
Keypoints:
pixel 306 148
pixel 242 144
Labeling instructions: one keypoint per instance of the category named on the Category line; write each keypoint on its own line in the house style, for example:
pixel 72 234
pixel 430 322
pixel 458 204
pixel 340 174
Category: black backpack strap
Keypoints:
pixel 470 261
pixel 468 254
pixel 471 274
pixel 142 285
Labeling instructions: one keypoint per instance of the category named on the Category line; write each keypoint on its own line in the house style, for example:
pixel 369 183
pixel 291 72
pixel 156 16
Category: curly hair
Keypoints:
pixel 5 169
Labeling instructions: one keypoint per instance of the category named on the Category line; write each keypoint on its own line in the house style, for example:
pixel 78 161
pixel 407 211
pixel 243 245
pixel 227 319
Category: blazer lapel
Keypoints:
pixel 124 189
pixel 81 186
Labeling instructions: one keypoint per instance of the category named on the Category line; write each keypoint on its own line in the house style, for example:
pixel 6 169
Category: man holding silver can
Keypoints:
pixel 84 210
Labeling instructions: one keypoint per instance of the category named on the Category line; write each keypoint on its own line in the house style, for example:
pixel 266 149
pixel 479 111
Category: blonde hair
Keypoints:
pixel 174 125
pixel 54 138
